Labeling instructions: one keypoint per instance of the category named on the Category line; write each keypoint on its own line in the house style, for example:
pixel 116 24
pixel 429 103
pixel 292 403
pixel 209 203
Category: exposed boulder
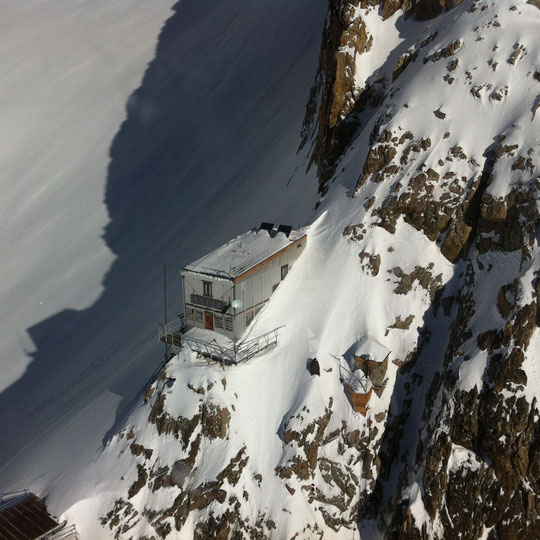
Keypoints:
pixel 314 368
pixel 142 477
pixel 215 421
pixel 456 238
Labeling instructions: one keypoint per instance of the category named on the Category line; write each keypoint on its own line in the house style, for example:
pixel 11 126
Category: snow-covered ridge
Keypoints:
pixel 269 401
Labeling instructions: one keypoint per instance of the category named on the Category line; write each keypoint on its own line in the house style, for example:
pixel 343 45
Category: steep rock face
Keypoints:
pixel 340 95
pixel 478 447
pixel 170 475
pixel 335 93
pixel 459 456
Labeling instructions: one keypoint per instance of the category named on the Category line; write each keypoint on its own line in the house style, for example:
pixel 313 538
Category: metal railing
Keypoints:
pixel 69 532
pixel 174 327
pixel 211 349
pixel 362 383
pixel 208 302
pixel 240 352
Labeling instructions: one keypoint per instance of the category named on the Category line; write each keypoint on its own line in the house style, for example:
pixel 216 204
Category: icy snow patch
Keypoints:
pixel 460 456
pixel 531 366
pixel 386 38
pixel 471 372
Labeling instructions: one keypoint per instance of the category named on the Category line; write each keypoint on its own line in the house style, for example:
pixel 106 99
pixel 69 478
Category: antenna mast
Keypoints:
pixel 165 307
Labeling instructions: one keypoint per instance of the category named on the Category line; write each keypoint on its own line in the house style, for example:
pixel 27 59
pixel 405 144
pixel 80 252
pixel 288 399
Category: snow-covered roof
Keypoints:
pixel 243 253
pixel 369 346
pixel 209 336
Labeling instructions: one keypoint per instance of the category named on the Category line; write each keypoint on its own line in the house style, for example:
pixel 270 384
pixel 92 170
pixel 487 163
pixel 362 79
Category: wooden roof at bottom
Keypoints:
pixel 26 519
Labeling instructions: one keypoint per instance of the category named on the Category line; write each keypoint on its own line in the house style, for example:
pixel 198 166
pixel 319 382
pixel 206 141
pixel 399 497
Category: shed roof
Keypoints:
pixel 369 346
pixel 243 253
pixel 24 517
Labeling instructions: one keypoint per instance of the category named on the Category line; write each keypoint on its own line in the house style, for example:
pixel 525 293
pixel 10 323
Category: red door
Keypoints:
pixel 208 320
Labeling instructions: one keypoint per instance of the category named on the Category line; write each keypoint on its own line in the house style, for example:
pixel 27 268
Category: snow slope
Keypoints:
pixel 323 317
pixel 207 151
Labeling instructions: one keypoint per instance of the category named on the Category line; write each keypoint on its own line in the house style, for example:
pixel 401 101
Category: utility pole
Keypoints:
pixel 165 290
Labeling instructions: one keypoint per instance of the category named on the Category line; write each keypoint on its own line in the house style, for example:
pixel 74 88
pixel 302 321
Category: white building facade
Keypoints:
pixel 226 289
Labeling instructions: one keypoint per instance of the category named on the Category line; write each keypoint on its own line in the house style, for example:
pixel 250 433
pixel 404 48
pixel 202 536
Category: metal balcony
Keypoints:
pixel 171 333
pixel 208 302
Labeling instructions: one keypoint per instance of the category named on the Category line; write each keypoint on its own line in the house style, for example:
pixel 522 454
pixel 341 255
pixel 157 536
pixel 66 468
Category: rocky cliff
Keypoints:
pixel 337 105
pixel 458 459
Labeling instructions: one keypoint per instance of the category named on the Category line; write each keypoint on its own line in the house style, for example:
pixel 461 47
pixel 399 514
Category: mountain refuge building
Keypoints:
pixel 225 289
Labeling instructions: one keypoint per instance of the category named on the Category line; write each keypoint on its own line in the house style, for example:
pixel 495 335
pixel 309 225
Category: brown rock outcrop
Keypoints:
pixel 336 97
pixel 214 421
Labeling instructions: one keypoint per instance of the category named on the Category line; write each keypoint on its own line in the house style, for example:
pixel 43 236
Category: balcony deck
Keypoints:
pixel 172 332
pixel 174 338
pixel 215 346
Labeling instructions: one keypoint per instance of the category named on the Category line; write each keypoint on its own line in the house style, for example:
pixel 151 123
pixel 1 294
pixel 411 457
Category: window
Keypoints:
pixel 207 288
pixel 198 316
pixel 249 317
pixel 257 309
pixel 229 324
pixel 284 271
pixel 190 315
pixel 218 321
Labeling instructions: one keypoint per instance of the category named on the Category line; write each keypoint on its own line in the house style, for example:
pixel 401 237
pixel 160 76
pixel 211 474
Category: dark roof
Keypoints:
pixel 24 517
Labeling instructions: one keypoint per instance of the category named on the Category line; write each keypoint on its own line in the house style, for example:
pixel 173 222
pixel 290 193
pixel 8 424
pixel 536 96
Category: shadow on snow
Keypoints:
pixel 204 154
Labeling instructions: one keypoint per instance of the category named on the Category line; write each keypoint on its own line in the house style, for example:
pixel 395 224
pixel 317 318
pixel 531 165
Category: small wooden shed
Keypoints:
pixel 359 389
pixel 371 357
pixel 359 395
